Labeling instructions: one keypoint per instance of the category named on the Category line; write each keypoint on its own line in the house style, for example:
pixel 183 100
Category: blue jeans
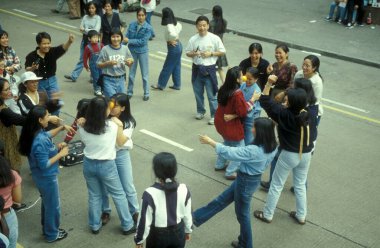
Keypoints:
pixel 12 222
pixel 199 84
pixel 79 66
pixel 95 74
pixel 143 59
pixel 124 169
pixel 104 172
pixel 148 19
pixel 50 86
pixel 172 67
pixel 333 6
pixel 233 166
pixel 112 85
pixel 289 161
pixel 240 191
pixel 50 205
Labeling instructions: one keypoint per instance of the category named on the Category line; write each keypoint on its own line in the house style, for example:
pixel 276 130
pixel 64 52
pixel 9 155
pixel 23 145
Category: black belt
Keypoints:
pixel 115 76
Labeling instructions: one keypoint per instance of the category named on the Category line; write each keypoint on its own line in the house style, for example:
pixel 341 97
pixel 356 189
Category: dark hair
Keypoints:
pixel 220 23
pixel 202 18
pixel 92 33
pixel 82 107
pixel 6 175
pixel 254 72
pixel 168 17
pixel 108 2
pixel 21 89
pixel 265 135
pixel 255 46
pixel 165 167
pixel 96 116
pixel 3 32
pixel 125 116
pixel 29 131
pixel 2 203
pixel 297 100
pixel 42 35
pixel 116 31
pixel 2 148
pixel 230 85
pixel 305 84
pixel 2 82
pixel 88 7
pixel 283 47
pixel 315 63
pixel 140 9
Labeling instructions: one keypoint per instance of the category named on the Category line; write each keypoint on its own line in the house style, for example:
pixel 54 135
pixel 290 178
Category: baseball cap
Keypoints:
pixel 26 76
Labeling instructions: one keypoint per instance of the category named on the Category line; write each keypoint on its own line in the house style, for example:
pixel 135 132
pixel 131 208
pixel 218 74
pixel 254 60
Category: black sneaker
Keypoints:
pixel 61 235
pixel 70 78
pixel 130 231
pixel 265 185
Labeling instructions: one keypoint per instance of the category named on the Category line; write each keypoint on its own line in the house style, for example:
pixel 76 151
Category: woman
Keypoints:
pixel 10 190
pixel 230 101
pixel 296 130
pixel 310 70
pixel 256 60
pixel 12 62
pixel 169 224
pixel 100 135
pixel 283 69
pixel 107 26
pixel 172 65
pixel 137 37
pixel 254 159
pixel 43 157
pixel 122 110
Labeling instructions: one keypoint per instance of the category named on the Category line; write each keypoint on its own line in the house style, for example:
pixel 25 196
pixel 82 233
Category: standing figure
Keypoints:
pixel 149 6
pixel 110 20
pixel 204 48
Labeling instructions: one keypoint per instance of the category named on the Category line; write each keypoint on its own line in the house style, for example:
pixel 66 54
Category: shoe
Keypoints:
pixel 339 22
pixel 54 11
pixel 221 169
pixel 260 215
pixel 156 87
pixel 105 218
pixel 98 93
pixel 235 244
pixel 174 88
pixel 70 78
pixel 349 24
pixel 265 185
pixel 328 18
pixel 145 98
pixel 74 17
pixel 292 214
pixel 95 231
pixel 231 177
pixel 130 231
pixel 61 235
pixel 199 116
pixel 18 206
pixel 211 121
pixel 135 217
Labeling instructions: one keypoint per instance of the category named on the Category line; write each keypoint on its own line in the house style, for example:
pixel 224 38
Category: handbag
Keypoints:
pixel 75 155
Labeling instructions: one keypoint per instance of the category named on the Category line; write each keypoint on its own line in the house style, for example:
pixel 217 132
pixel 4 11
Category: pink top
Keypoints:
pixel 6 192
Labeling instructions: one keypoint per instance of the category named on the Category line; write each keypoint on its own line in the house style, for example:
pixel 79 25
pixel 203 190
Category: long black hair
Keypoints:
pixel 6 176
pixel 165 168
pixel 220 23
pixel 126 115
pixel 168 17
pixel 297 101
pixel 3 49
pixel 96 116
pixel 30 130
pixel 230 85
pixel 305 84
pixel 265 135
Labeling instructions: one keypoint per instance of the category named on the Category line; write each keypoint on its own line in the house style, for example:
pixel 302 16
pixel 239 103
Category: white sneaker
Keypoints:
pixel 199 116
pixel 98 93
pixel 211 121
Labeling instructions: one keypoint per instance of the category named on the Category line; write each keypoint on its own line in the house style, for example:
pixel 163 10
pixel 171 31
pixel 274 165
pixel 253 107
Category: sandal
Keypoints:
pixel 18 206
pixel 156 87
pixel 260 215
pixel 293 215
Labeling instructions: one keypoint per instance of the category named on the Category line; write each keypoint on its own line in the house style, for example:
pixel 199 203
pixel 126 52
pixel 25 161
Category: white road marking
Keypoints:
pixel 346 105
pixel 67 25
pixel 27 13
pixel 316 54
pixel 187 60
pixel 313 21
pixel 173 143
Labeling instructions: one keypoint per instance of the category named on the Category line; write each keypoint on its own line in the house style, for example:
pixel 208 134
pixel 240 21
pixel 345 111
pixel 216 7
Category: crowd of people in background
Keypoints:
pixel 291 98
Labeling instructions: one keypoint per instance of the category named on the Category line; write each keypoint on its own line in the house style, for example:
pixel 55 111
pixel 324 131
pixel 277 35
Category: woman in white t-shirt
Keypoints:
pixel 100 135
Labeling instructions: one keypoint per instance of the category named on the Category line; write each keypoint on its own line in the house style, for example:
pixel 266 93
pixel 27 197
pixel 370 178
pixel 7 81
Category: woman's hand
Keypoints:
pixel 255 96
pixel 129 62
pixel 62 145
pixel 204 139
pixel 229 117
pixel 69 129
pixel 54 119
pixel 112 62
pixel 125 40
pixel 81 121
pixel 269 69
pixel 272 79
pixel 64 151
pixel 117 121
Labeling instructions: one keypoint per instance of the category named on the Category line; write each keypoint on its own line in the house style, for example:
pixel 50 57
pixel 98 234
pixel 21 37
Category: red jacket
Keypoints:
pixel 232 130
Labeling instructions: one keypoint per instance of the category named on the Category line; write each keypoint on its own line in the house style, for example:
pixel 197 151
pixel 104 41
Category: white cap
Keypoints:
pixel 26 76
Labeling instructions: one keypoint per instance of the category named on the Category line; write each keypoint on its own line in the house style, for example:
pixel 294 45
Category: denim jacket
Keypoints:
pixel 138 40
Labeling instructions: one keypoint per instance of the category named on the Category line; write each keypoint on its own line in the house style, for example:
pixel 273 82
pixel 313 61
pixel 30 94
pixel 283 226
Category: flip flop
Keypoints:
pixel 292 214
pixel 260 215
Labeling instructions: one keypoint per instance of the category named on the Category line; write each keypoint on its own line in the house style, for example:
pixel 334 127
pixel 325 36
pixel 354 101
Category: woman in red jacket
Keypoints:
pixel 230 102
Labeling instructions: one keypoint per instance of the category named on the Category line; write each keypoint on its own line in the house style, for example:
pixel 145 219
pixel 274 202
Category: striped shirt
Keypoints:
pixel 163 209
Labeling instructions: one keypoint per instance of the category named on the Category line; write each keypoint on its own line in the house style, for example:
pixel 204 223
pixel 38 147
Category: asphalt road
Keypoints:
pixel 343 180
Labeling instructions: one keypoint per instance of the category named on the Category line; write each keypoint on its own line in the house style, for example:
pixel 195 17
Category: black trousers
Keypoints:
pixel 169 237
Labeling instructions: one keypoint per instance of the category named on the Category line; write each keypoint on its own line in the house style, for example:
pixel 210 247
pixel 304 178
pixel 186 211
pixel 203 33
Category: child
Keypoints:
pixel 113 60
pixel 165 225
pixel 81 112
pixel 91 54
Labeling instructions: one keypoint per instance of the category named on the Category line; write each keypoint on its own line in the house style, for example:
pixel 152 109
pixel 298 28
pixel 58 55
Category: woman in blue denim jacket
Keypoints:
pixel 137 37
pixel 43 157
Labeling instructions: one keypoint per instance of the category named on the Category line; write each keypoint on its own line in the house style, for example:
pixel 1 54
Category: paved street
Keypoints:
pixel 343 184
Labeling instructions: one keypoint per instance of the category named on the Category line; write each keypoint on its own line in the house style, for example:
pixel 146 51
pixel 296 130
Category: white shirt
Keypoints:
pixel 172 32
pixel 149 7
pixel 210 43
pixel 129 143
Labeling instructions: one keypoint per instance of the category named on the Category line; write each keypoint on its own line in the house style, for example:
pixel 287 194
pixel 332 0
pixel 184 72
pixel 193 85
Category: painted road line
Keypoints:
pixel 345 105
pixel 352 114
pixel 316 54
pixel 24 12
pixel 41 22
pixel 67 25
pixel 171 142
pixel 163 58
pixel 184 59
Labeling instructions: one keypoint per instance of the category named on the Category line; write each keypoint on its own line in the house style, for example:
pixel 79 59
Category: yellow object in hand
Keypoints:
pixel 244 78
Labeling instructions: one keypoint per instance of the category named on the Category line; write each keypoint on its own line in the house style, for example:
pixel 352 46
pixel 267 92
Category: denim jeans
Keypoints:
pixel 143 59
pixel 148 20
pixel 95 74
pixel 103 172
pixel 199 84
pixel 112 85
pixel 240 191
pixel 233 166
pixel 50 86
pixel 333 5
pixel 124 169
pixel 172 67
pixel 12 222
pixel 50 205
pixel 289 161
pixel 173 237
pixel 79 66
